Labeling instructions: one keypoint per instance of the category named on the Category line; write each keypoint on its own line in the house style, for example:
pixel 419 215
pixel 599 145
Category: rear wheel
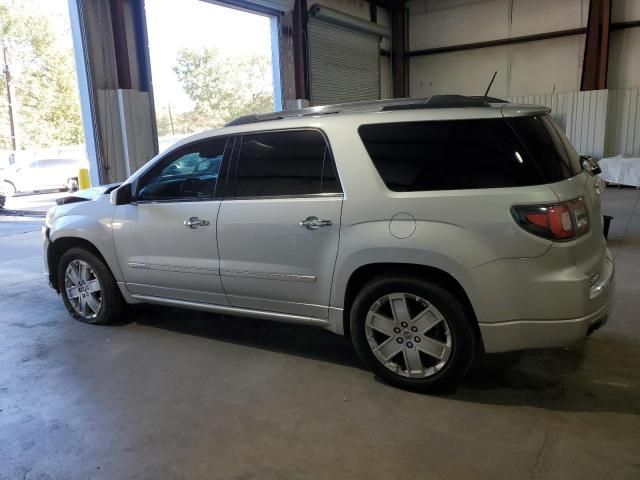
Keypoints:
pixel 88 289
pixel 412 333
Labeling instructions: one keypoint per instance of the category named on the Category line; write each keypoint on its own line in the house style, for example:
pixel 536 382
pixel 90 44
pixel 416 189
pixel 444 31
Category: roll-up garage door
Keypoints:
pixel 343 64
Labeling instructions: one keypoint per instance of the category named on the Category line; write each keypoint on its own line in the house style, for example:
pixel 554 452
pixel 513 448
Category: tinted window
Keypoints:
pixel 548 146
pixel 284 163
pixel 191 173
pixel 448 155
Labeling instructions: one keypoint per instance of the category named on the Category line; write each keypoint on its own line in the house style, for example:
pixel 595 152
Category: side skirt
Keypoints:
pixel 228 310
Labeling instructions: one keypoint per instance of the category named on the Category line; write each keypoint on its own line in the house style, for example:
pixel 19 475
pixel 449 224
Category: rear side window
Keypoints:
pixel 284 163
pixel 548 146
pixel 448 155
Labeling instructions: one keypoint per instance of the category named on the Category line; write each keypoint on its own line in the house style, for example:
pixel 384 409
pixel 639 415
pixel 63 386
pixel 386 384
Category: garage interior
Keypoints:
pixel 168 393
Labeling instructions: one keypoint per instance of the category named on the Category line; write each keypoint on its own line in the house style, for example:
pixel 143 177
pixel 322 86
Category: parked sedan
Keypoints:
pixel 43 174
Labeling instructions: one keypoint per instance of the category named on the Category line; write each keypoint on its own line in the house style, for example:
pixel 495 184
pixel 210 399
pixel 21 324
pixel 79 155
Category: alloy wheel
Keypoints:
pixel 408 335
pixel 83 289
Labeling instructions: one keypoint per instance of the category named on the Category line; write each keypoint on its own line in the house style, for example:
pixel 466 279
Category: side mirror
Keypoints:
pixel 121 195
pixel 590 165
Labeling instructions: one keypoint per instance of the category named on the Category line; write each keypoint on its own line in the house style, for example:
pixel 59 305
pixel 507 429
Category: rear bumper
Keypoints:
pixel 526 334
pixel 584 305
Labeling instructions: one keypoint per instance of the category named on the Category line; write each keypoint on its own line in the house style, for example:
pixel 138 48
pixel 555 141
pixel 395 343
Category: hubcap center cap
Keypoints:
pixel 406 334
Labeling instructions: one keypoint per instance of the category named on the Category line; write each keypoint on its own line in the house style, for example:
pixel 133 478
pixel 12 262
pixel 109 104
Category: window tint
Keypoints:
pixel 284 163
pixel 547 146
pixel 448 155
pixel 191 173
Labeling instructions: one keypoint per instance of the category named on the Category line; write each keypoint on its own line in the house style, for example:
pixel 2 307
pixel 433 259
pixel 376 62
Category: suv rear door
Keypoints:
pixel 279 223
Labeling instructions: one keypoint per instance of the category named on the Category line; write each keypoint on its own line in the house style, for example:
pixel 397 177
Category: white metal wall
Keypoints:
pixel 623 122
pixel 598 123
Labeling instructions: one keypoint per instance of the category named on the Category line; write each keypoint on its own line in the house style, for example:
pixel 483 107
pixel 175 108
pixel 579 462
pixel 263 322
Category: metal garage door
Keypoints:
pixel 343 64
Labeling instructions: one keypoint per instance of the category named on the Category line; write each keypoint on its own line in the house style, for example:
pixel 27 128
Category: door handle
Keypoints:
pixel 195 222
pixel 314 223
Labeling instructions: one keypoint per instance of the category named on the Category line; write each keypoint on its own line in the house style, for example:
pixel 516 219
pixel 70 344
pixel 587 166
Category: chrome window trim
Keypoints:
pixel 289 197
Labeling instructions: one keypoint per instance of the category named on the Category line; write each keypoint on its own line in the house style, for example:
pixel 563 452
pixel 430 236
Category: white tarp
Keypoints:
pixel 622 170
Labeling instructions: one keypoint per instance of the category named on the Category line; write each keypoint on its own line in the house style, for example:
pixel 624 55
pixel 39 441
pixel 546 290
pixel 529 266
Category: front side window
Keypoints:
pixel 284 163
pixel 448 155
pixel 190 173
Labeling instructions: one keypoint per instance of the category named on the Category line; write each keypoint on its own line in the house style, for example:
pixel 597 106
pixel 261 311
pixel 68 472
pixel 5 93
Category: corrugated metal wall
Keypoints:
pixel 623 122
pixel 582 115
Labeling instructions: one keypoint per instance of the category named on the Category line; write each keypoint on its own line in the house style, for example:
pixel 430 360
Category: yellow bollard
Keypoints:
pixel 83 178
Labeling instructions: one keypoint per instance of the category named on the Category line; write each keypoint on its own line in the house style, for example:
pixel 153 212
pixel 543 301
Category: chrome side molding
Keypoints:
pixel 229 310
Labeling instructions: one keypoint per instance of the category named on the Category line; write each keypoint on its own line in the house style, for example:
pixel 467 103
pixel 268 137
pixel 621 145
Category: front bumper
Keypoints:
pixel 46 242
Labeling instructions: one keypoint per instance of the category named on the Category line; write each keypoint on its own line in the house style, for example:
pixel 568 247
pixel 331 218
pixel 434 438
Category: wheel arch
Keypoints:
pixel 13 184
pixel 365 273
pixel 59 246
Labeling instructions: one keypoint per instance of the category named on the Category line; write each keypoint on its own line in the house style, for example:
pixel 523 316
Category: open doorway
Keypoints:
pixel 209 64
pixel 41 131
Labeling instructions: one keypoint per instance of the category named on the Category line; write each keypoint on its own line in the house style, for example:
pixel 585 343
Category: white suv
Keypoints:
pixel 425 230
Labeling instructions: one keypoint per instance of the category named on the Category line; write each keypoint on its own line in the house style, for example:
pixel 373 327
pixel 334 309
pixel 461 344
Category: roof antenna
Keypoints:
pixel 489 87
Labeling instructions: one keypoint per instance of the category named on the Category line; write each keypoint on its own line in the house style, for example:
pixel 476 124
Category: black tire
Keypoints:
pixel 462 336
pixel 112 304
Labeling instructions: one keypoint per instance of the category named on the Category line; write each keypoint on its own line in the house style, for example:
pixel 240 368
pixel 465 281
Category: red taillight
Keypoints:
pixel 564 221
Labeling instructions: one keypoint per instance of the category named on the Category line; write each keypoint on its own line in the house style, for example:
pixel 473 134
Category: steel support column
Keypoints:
pixel 300 61
pixel 596 49
pixel 398 50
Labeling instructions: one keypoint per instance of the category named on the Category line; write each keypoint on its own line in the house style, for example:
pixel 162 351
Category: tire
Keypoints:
pixel 108 295
pixel 435 322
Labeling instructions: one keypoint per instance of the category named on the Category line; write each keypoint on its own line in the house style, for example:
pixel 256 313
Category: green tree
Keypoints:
pixel 223 87
pixel 46 103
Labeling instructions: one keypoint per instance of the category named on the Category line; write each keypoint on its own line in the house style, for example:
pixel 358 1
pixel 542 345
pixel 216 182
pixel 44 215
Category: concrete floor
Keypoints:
pixel 174 394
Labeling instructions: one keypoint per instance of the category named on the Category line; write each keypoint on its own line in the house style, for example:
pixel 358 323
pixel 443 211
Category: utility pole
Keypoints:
pixel 7 78
pixel 171 119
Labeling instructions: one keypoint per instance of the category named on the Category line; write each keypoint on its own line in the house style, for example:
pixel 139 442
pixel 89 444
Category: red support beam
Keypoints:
pixel 596 48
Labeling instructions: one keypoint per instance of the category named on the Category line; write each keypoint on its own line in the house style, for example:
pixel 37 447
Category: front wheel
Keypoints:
pixel 412 333
pixel 88 288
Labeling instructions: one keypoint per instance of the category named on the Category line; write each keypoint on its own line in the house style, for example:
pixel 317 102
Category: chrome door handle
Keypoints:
pixel 314 223
pixel 195 222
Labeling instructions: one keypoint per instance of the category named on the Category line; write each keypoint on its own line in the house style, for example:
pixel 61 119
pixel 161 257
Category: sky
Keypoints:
pixel 176 24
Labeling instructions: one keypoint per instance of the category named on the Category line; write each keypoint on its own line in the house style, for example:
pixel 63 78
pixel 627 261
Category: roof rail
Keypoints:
pixel 435 101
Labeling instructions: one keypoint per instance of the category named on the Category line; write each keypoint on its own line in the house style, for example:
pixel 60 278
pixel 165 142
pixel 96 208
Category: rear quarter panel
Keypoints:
pixel 454 230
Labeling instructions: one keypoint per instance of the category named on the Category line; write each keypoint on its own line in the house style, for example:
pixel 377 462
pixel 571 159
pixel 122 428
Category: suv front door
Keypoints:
pixel 166 239
pixel 279 224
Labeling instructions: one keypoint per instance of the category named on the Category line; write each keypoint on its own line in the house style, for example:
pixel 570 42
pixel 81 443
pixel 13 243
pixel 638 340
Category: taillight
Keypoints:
pixel 560 222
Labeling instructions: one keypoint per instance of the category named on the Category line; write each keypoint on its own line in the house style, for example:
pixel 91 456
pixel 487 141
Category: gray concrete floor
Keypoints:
pixel 174 394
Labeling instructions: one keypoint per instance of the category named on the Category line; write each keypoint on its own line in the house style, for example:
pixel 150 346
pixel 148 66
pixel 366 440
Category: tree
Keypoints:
pixel 223 87
pixel 47 107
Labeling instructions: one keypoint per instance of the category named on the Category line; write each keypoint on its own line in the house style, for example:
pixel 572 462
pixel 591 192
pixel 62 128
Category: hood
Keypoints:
pixel 88 194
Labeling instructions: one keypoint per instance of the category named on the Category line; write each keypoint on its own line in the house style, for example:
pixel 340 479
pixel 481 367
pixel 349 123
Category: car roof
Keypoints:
pixel 436 107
